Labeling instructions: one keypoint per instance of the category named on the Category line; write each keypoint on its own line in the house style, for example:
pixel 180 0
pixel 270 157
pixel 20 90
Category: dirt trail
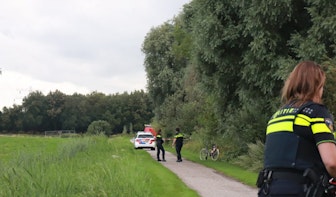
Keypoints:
pixel 206 181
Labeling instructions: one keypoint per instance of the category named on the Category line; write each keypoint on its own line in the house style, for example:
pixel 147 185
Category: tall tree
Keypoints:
pixel 160 65
pixel 75 115
pixel 242 52
pixel 35 112
pixel 55 105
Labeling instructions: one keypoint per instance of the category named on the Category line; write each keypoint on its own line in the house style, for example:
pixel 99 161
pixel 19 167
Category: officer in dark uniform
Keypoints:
pixel 159 145
pixel 300 151
pixel 178 142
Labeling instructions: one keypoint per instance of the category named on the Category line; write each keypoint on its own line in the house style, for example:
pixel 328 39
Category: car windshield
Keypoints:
pixel 145 136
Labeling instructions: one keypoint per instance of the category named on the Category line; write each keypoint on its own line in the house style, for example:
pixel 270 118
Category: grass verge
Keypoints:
pixel 227 169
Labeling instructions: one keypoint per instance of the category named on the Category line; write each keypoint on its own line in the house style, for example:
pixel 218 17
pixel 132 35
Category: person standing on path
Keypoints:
pixel 178 142
pixel 300 151
pixel 159 146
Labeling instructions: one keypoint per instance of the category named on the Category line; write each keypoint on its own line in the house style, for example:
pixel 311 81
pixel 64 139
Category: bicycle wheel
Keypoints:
pixel 203 154
pixel 215 155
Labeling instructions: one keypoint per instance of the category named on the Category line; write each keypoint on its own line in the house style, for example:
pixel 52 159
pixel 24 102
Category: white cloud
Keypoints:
pixel 76 45
pixel 15 87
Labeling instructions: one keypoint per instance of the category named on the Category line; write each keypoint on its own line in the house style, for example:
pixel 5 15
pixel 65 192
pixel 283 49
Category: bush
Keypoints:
pixel 253 160
pixel 99 126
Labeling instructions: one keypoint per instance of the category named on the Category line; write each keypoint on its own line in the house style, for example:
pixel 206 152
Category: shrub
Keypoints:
pixel 99 126
pixel 253 160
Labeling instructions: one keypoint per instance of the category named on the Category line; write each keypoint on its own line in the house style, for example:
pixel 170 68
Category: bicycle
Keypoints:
pixel 213 153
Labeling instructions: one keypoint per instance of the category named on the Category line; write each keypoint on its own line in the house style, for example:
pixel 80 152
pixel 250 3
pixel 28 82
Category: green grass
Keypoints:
pixel 88 166
pixel 13 145
pixel 227 169
pixel 94 166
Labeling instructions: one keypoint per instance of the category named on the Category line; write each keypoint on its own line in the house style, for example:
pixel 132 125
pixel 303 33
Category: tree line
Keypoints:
pixel 126 112
pixel 217 68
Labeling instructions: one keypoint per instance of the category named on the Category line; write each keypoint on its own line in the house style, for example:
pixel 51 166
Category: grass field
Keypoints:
pixel 88 166
pixel 93 166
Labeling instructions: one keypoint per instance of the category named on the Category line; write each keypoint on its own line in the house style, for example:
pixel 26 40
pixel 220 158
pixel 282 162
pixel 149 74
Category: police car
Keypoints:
pixel 144 140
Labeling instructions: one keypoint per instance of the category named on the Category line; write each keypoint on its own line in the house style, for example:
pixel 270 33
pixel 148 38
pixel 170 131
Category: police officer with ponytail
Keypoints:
pixel 300 150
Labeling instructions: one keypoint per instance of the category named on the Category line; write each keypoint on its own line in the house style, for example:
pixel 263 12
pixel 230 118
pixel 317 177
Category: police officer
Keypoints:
pixel 178 142
pixel 300 151
pixel 159 145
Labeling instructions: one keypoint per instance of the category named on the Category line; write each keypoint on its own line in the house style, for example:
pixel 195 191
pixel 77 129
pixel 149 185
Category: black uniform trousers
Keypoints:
pixel 160 148
pixel 178 151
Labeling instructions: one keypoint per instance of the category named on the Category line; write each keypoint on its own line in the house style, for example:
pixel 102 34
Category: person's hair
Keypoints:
pixel 303 84
pixel 177 129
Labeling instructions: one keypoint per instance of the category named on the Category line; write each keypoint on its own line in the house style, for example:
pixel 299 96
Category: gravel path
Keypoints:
pixel 206 181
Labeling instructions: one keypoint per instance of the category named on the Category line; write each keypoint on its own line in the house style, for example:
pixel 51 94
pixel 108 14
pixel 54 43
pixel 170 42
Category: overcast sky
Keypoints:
pixel 76 45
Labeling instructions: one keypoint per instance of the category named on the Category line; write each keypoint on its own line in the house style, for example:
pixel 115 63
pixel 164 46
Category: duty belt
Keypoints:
pixel 293 176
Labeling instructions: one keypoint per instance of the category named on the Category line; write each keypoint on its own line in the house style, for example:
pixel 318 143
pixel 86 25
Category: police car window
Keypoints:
pixel 145 136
